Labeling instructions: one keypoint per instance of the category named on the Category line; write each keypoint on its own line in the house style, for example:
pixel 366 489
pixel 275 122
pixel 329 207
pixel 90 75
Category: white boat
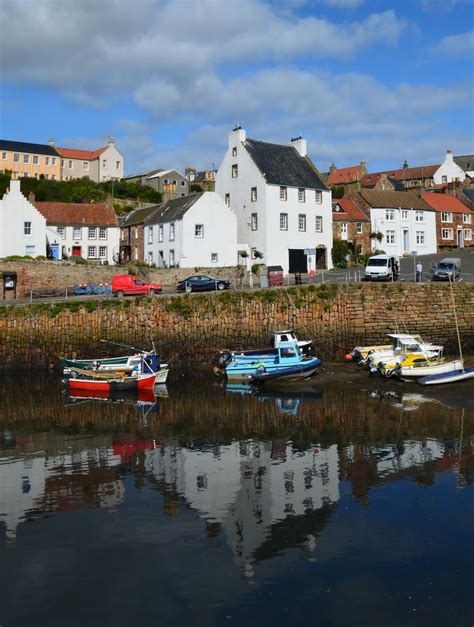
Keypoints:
pixel 403 345
pixel 424 368
pixel 463 374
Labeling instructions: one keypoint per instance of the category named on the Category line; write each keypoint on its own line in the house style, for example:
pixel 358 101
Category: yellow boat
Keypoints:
pixel 416 365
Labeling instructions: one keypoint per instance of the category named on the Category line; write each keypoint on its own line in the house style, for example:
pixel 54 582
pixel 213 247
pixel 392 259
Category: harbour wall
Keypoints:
pixel 190 329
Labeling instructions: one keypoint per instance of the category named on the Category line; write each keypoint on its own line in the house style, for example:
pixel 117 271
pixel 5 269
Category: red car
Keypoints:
pixel 128 285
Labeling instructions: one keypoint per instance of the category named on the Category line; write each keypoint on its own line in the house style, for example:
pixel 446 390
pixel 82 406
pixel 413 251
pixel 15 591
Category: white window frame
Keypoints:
pixel 283 222
pixel 234 151
pixel 444 178
pixel 359 228
pixel 419 216
pixel 61 231
pixel 53 160
pixel 69 164
pixel 85 166
pixel 4 155
pixel 172 258
pixel 102 252
pixel 466 218
pixel 283 193
pixel 29 250
pixel 27 228
pixel 420 238
pixel 446 233
pixel 46 160
pixel 16 157
pixel 76 233
pixel 468 234
pixel 390 215
pixel 318 196
pixel 227 199
pixel 150 235
pixel 214 257
pixel 343 228
pixel 199 231
pixel 301 222
pixel 318 224
pixel 390 237
pixel 235 170
pixel 253 194
pixel 161 232
pixel 404 214
pixel 92 232
pixel 446 216
pixel 301 194
pixel 172 232
pixel 102 232
pixel 254 221
pixel 26 158
pixel 92 252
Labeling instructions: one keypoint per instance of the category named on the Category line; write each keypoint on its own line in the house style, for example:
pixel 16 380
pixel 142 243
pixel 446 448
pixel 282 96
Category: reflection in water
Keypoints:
pixel 265 471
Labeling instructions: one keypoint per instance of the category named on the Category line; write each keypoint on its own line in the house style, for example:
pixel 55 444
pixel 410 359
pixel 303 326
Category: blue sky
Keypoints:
pixel 380 80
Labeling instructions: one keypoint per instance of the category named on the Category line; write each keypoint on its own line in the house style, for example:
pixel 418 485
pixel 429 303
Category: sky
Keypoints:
pixel 374 80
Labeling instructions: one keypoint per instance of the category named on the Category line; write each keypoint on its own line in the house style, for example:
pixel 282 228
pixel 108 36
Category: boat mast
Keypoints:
pixel 456 320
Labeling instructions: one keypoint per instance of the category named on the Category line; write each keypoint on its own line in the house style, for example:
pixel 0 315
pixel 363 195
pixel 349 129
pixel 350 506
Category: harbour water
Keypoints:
pixel 343 501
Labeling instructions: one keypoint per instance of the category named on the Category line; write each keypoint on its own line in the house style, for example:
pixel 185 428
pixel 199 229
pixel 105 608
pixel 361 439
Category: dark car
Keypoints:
pixel 202 283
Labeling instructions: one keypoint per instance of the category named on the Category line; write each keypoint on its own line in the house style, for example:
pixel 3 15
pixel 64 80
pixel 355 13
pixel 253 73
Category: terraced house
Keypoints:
pixel 453 220
pixel 24 159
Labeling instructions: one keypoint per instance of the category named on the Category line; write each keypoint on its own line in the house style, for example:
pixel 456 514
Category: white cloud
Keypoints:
pixel 457 45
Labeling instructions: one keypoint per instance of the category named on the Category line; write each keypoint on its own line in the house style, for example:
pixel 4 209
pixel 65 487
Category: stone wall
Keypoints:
pixel 190 329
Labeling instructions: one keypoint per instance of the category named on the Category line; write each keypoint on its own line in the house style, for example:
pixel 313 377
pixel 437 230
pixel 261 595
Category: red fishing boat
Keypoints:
pixel 91 380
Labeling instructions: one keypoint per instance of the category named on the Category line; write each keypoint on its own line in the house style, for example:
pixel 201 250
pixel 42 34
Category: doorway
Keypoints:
pixel 76 251
pixel 460 242
pixel 406 242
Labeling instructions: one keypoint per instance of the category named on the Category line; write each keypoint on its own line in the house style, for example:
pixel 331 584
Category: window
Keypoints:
pixel 26 174
pixel 117 165
pixel 161 259
pixel 444 179
pixel 301 222
pixel 46 176
pixel 16 157
pixel 46 160
pixel 165 181
pixel 77 232
pixel 136 232
pixel 235 171
pixel 343 228
pixel 104 163
pixel 467 233
pixel 390 214
pixel 319 224
pixel 283 222
pixel 283 193
pixel 26 158
pixel 174 181
pixel 390 237
pixel 359 228
pixel 419 216
pixel 91 252
pixel 61 231
pixel 171 257
pixel 253 194
pixel 160 232
pixel 318 196
pixel 69 164
pixel 234 151
pixel 29 250
pixel 62 163
pixel 53 160
pixel 53 177
pixel 214 257
pixel 150 257
pixel 301 195
pixel 102 252
pixel 92 232
pixel 150 235
pixel 447 233
pixel 183 183
pixel 4 155
pixel 466 218
pixel 172 233
pixel 446 216
pixel 102 232
pixel 404 214
pixel 254 222
pixel 85 166
pixel 227 199
pixel 420 237
pixel 136 253
pixel 27 228
pixel 199 230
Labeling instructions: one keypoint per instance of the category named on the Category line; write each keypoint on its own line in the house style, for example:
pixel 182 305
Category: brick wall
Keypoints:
pixel 192 328
pixel 352 235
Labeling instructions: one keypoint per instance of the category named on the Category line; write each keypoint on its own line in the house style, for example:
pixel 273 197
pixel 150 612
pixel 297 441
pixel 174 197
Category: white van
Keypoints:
pixel 382 268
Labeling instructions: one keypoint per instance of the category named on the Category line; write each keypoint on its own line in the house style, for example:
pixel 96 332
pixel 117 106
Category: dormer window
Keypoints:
pixel 235 171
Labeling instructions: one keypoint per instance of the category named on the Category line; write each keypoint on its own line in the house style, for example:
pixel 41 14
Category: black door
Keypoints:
pixel 297 261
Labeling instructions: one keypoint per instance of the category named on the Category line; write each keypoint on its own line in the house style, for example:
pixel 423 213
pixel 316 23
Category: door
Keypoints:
pixel 297 261
pixel 321 259
pixel 344 230
pixel 55 251
pixel 406 242
pixel 76 251
pixel 460 242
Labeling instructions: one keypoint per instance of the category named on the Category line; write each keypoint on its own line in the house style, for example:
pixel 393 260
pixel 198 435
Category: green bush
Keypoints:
pixel 340 249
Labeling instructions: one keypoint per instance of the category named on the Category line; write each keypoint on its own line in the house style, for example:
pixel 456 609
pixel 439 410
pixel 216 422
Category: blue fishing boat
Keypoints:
pixel 285 363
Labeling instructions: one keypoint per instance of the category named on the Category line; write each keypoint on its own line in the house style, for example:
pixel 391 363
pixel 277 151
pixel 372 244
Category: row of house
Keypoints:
pixel 270 205
pixel 24 159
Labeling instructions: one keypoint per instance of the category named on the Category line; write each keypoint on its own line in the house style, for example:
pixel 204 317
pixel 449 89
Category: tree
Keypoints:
pixel 340 250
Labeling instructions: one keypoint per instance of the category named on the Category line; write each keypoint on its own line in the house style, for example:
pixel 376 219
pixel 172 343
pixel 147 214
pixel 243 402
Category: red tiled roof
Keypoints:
pixel 343 175
pixel 402 174
pixel 370 180
pixel 349 210
pixel 444 202
pixel 86 155
pixel 69 213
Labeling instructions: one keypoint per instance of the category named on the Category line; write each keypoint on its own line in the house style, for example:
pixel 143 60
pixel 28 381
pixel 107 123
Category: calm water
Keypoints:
pixel 348 503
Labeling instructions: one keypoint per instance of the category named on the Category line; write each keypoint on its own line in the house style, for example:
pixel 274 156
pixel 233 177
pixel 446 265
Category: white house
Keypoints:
pixel 404 220
pixel 22 226
pixel 448 171
pixel 84 230
pixel 282 205
pixel 196 230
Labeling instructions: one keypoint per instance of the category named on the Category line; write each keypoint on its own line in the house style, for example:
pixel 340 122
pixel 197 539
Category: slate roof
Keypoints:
pixel 283 165
pixel 86 155
pixel 349 211
pixel 445 202
pixel 343 175
pixel 469 193
pixel 466 162
pixel 77 214
pixel 37 149
pixel 138 216
pixel 173 209
pixel 391 199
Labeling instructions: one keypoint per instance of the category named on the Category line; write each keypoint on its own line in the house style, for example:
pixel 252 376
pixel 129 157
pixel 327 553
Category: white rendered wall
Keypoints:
pixel 449 169
pixel 15 210
pixel 379 223
pixel 112 241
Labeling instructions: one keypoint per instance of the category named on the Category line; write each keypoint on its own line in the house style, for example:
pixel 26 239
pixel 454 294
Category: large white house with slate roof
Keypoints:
pixel 198 230
pixel 282 206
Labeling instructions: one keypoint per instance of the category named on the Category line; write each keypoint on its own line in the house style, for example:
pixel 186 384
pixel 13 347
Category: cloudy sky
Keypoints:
pixel 380 80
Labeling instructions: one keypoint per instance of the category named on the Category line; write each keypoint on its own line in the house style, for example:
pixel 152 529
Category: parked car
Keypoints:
pixel 202 283
pixel 128 285
pixel 382 268
pixel 446 268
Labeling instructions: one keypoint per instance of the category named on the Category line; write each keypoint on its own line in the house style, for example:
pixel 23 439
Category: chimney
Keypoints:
pixel 332 168
pixel 51 142
pixel 362 168
pixel 237 136
pixel 449 155
pixel 405 164
pixel 111 141
pixel 300 144
pixel 31 198
pixel 15 183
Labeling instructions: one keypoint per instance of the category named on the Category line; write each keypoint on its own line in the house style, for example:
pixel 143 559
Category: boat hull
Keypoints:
pixel 260 372
pixel 450 377
pixel 140 382
pixel 293 373
pixel 411 372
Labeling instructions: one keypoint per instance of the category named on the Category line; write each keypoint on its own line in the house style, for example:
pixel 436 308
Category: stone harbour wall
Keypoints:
pixel 190 329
